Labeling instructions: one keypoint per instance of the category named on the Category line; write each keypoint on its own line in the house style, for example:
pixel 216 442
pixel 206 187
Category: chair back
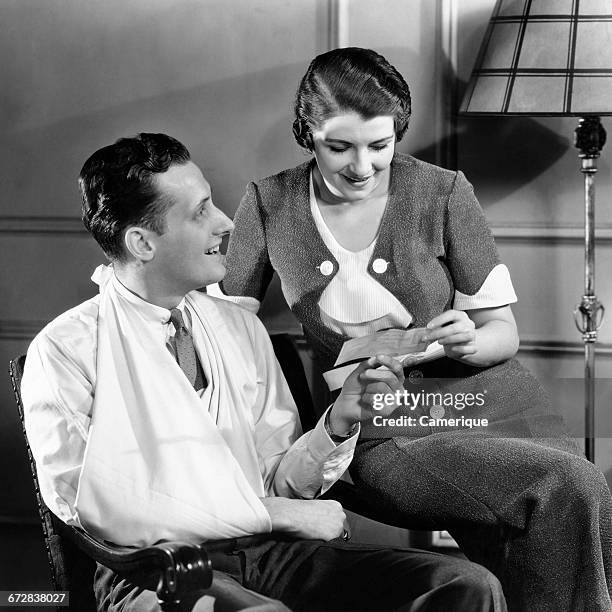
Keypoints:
pixel 71 569
pixel 293 369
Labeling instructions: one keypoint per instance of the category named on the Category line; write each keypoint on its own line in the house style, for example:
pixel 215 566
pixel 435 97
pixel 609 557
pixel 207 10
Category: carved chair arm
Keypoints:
pixel 182 567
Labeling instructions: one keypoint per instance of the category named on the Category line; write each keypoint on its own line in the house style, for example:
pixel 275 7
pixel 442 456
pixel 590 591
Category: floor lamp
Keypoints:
pixel 554 58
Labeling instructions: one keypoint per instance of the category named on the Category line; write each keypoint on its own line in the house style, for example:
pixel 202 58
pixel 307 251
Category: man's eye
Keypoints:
pixel 381 147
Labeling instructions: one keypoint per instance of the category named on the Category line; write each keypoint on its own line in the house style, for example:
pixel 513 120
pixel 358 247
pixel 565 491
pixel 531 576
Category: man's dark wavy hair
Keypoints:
pixel 118 190
pixel 349 80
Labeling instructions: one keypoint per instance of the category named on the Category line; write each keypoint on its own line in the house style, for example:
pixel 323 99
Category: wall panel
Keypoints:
pixel 218 75
pixel 548 278
pixel 49 274
pixel 525 172
pixel 560 369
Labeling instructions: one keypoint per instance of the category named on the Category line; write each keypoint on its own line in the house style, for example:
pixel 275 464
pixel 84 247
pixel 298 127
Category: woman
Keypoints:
pixel 365 239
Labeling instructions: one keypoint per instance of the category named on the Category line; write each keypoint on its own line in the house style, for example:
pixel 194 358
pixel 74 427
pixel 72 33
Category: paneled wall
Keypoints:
pixel 220 75
pixel 526 173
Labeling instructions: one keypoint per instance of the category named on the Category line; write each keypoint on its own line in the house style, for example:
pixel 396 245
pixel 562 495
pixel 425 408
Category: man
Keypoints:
pixel 140 437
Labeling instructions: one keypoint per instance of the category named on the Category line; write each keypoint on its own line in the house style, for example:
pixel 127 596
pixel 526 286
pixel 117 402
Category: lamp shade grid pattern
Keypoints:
pixel 544 57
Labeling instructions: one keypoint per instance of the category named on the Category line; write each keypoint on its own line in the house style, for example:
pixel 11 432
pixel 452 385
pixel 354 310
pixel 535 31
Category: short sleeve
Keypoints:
pixel 479 278
pixel 249 270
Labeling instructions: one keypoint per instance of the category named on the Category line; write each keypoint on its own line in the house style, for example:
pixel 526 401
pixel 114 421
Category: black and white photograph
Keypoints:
pixel 303 305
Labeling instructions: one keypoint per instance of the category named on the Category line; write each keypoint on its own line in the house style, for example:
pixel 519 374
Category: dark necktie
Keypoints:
pixel 183 343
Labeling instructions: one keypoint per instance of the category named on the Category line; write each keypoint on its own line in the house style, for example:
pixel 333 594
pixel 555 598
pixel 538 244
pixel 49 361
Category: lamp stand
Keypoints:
pixel 590 137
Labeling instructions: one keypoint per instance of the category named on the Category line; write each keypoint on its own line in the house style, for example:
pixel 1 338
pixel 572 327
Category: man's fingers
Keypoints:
pixel 369 397
pixel 364 365
pixel 375 389
pixel 382 367
pixel 381 381
pixel 377 376
pixel 395 365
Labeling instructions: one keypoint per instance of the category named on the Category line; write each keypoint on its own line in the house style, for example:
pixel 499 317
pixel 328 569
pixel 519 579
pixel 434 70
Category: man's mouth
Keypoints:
pixel 213 251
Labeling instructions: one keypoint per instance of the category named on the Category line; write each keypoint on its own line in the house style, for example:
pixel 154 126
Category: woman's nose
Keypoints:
pixel 362 164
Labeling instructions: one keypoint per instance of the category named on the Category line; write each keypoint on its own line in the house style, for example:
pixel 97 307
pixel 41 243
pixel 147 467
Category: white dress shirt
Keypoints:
pixel 59 391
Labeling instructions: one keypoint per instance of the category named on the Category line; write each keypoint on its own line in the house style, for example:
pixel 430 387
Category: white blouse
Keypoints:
pixel 355 304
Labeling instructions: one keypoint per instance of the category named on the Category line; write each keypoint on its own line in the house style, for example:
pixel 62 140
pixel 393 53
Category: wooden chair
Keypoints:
pixel 182 568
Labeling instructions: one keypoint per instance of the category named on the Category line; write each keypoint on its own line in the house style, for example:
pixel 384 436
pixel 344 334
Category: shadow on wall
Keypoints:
pixel 499 154
pixel 231 127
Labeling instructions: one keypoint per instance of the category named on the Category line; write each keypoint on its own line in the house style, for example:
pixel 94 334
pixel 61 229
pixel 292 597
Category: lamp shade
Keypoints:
pixel 544 57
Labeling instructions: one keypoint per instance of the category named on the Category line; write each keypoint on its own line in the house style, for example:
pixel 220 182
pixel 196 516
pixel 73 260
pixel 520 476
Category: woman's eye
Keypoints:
pixel 380 147
pixel 338 149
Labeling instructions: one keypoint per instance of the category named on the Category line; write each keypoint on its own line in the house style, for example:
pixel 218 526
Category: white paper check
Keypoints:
pixel 404 344
pixel 389 342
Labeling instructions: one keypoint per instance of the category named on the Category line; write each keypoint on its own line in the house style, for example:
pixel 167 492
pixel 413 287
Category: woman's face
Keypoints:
pixel 354 155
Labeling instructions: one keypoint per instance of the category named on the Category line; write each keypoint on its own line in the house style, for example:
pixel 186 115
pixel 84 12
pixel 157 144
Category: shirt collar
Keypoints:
pixel 150 312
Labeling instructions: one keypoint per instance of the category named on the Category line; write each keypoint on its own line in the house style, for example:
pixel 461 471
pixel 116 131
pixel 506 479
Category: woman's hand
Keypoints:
pixel 455 331
pixel 378 375
pixel 480 337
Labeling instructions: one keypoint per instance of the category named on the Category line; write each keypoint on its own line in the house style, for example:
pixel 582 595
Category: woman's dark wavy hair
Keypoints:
pixel 349 80
pixel 118 191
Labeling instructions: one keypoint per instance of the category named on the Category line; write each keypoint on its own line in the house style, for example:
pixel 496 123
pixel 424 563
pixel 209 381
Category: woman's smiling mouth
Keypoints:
pixel 357 181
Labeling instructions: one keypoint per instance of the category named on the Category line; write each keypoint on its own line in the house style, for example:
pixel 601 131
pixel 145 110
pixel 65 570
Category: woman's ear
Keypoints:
pixel 138 243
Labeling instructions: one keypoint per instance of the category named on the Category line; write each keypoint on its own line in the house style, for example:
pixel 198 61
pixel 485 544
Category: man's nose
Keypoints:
pixel 223 224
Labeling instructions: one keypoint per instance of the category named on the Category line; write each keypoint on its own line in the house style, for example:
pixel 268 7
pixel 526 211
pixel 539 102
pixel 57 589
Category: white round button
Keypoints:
pixel 326 268
pixel 414 376
pixel 379 266
pixel 436 412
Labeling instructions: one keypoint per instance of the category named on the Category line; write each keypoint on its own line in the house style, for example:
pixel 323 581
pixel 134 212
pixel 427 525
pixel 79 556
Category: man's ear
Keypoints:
pixel 138 243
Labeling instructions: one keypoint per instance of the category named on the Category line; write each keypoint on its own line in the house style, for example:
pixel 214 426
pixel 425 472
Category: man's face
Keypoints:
pixel 187 254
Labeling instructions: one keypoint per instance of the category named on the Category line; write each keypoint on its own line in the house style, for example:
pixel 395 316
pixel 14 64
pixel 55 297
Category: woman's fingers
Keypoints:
pixel 448 316
pixel 458 338
pixel 462 349
pixel 450 327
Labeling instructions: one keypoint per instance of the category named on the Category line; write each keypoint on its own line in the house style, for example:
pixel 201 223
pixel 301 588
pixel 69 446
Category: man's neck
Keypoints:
pixel 146 286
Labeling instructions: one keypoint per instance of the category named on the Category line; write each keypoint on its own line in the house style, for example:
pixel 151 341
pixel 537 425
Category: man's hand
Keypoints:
pixel 368 379
pixel 308 519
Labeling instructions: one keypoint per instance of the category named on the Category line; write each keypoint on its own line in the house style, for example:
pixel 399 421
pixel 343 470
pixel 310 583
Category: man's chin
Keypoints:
pixel 215 277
